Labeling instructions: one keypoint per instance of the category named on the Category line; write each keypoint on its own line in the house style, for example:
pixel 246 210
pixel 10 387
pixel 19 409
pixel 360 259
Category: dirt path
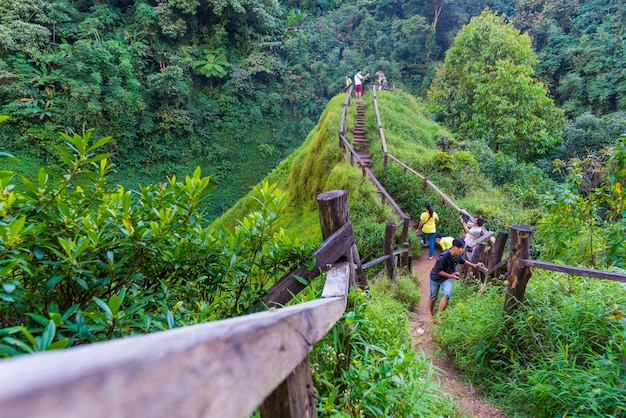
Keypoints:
pixel 468 399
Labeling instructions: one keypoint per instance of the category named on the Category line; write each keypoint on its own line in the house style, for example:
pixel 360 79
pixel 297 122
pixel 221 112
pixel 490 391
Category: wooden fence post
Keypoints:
pixel 390 231
pixel 518 276
pixel 333 211
pixel 405 228
pixel 294 398
pixel 498 249
pixel 406 257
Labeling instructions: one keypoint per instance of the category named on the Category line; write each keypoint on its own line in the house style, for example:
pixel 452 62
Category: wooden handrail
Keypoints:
pixel 374 180
pixel 346 143
pixel 575 271
pixel 346 103
pixel 218 369
pixel 381 133
pixel 326 254
pixel 384 257
pixel 429 183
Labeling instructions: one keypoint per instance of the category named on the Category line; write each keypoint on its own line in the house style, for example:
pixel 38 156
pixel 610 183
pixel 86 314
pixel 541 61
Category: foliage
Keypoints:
pixel 213 64
pixel 384 375
pixel 560 354
pixel 585 217
pixel 580 46
pixel 83 261
pixel 485 90
pixel 588 134
pixel 405 291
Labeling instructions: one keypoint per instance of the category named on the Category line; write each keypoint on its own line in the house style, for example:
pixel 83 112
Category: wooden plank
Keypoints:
pixel 218 369
pixel 498 248
pixel 294 397
pixel 375 261
pixel 337 282
pixel 382 190
pixel 575 271
pixel 497 267
pixel 489 234
pixel 326 254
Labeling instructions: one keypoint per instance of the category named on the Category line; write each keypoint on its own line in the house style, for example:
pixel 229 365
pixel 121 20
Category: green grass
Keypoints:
pixel 561 354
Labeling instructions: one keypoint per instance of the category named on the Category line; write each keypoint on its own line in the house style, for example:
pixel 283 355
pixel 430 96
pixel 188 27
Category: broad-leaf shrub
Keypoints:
pixel 585 217
pixel 82 260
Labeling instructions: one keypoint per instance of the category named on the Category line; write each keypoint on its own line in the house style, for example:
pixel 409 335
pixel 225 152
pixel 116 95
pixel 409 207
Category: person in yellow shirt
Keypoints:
pixel 444 242
pixel 428 228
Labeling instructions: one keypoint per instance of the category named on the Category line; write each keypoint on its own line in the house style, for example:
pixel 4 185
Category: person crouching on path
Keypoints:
pixel 444 273
pixel 444 242
pixel 358 84
pixel 428 228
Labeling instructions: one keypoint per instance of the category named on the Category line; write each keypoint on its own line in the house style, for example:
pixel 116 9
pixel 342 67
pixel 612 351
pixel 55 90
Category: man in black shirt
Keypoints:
pixel 443 274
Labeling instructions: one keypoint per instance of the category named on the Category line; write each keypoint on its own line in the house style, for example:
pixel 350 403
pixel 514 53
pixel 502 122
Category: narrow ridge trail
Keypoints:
pixel 467 398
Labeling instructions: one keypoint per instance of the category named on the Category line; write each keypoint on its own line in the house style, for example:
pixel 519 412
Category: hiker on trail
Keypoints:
pixel 473 229
pixel 444 273
pixel 358 84
pixel 381 80
pixel 428 228
pixel 348 82
pixel 444 242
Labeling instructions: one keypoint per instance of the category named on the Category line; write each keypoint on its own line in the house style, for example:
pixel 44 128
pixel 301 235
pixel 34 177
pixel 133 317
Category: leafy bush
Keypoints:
pixel 405 291
pixel 83 261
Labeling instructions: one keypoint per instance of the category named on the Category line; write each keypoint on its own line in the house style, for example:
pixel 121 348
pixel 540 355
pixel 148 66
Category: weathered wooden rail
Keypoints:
pixel 490 259
pixel 225 368
pixel 519 265
pixel 351 157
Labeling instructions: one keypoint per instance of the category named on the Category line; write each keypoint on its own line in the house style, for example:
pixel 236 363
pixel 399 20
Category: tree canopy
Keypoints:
pixel 485 90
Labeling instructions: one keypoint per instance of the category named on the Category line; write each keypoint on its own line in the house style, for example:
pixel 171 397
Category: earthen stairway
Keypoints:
pixel 360 143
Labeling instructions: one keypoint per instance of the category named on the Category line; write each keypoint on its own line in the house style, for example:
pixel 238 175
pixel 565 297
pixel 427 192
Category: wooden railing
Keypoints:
pixel 519 265
pixel 220 369
pixel 351 156
pixel 492 260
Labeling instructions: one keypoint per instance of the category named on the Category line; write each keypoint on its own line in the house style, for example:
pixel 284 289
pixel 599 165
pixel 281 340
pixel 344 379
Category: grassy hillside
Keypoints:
pixel 559 355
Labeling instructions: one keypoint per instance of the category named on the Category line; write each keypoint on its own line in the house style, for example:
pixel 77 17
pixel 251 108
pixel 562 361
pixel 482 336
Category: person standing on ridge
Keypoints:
pixel 444 273
pixel 348 82
pixel 358 84
pixel 428 228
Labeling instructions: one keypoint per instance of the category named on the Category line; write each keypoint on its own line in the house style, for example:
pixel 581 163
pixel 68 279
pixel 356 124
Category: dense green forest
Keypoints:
pixel 136 135
pixel 235 86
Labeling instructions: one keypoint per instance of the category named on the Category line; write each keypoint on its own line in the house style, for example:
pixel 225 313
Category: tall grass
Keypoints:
pixel 563 353
pixel 385 377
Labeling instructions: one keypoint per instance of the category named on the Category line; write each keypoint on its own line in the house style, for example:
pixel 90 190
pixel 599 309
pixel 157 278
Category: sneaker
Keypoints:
pixel 430 257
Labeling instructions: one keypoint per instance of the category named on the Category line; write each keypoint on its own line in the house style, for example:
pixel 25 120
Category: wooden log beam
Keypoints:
pixel 326 254
pixel 294 398
pixel 575 271
pixel 498 249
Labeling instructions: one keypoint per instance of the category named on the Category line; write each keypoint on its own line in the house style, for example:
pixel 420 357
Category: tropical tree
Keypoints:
pixel 486 91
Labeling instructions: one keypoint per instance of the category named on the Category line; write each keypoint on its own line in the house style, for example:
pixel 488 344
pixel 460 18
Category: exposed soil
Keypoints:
pixel 467 398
